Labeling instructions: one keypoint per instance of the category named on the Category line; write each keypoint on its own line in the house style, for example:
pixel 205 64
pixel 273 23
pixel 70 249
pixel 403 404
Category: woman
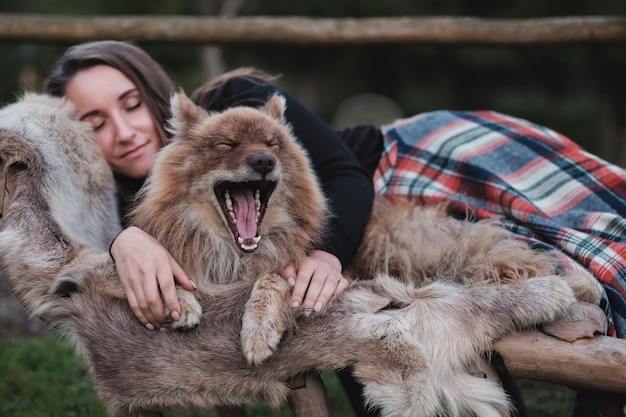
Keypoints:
pixel 533 180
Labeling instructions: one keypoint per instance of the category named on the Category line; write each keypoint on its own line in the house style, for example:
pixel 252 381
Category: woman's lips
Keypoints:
pixel 134 153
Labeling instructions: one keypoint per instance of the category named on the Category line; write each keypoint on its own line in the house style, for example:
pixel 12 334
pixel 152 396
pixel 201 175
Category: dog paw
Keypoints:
pixel 259 340
pixel 586 288
pixel 265 318
pixel 190 311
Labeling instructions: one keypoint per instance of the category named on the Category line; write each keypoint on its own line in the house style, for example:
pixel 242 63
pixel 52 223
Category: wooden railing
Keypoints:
pixel 315 31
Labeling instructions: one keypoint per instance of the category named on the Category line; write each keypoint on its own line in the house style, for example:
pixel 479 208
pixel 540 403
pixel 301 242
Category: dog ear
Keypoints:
pixel 275 107
pixel 15 152
pixel 16 157
pixel 185 114
pixel 69 282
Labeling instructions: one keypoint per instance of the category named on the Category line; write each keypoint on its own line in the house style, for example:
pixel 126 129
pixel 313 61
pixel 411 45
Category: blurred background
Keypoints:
pixel 575 89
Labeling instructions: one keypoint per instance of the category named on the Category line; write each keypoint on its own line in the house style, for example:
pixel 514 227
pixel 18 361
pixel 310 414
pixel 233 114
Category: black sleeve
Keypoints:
pixel 366 143
pixel 346 184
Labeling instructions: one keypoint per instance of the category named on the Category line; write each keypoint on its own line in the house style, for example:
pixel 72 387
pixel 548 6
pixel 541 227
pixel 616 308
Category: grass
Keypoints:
pixel 547 400
pixel 42 377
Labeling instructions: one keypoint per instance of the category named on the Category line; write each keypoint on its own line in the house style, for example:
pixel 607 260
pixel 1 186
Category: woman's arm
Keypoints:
pixel 148 272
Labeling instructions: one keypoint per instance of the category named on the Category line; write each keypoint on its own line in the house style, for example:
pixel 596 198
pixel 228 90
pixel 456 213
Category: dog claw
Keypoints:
pixel 186 321
pixel 258 347
pixel 257 358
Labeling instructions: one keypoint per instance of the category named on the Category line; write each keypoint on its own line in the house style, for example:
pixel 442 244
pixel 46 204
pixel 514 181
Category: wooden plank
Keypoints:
pixel 597 363
pixel 314 31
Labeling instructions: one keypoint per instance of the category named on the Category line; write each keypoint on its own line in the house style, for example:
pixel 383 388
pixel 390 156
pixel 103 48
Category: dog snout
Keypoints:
pixel 263 163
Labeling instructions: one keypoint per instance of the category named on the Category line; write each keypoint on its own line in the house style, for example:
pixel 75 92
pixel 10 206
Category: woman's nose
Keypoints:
pixel 123 129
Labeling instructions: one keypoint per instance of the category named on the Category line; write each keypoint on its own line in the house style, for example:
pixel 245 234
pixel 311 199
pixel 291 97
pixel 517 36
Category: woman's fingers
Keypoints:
pixel 134 305
pixel 317 279
pixel 147 272
pixel 181 277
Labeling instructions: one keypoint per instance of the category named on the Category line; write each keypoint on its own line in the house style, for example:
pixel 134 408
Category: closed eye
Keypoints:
pixel 97 122
pixel 132 101
pixel 224 146
pixel 134 105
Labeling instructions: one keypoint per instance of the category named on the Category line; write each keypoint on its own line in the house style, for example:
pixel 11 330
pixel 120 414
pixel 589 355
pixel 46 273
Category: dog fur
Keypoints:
pixel 421 244
pixel 409 342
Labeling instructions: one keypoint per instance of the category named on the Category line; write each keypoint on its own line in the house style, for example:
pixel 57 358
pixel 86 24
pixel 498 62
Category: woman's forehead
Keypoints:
pixel 98 86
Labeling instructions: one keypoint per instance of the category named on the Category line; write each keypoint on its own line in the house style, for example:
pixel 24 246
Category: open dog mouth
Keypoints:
pixel 244 205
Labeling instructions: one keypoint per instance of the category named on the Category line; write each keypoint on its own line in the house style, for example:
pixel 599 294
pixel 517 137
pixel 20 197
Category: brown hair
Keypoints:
pixel 144 72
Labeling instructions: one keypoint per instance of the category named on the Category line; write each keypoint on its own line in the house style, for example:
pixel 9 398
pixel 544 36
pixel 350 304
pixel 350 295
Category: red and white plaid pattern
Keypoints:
pixel 536 182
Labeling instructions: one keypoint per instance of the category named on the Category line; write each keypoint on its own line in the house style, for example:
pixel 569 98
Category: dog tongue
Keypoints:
pixel 245 212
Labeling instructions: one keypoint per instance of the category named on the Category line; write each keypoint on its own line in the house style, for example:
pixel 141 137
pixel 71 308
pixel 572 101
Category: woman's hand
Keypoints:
pixel 148 274
pixel 315 279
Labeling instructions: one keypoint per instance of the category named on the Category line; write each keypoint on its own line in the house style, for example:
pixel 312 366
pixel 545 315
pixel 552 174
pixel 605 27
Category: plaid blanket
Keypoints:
pixel 536 182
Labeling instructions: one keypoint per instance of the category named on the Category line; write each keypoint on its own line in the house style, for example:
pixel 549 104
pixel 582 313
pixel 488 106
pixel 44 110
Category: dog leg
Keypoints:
pixel 75 277
pixel 396 373
pixel 464 322
pixel 265 317
pixel 463 394
pixel 523 305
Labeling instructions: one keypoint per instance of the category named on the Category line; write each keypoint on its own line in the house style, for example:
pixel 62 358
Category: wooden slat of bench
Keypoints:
pixel 597 363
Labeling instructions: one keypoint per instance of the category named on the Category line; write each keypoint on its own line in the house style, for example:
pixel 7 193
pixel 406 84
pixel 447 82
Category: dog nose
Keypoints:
pixel 262 163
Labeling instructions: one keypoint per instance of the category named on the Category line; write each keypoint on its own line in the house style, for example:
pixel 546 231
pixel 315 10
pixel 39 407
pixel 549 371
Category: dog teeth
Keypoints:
pixel 257 204
pixel 229 206
pixel 255 239
pixel 252 246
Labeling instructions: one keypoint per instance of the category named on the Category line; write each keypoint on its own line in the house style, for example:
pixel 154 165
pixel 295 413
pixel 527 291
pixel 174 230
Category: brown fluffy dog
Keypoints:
pixel 216 220
pixel 410 345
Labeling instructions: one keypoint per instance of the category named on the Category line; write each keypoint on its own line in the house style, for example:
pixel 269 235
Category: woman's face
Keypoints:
pixel 124 128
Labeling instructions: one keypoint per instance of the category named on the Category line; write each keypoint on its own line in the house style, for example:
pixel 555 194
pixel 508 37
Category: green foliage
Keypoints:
pixel 43 378
pixel 93 7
